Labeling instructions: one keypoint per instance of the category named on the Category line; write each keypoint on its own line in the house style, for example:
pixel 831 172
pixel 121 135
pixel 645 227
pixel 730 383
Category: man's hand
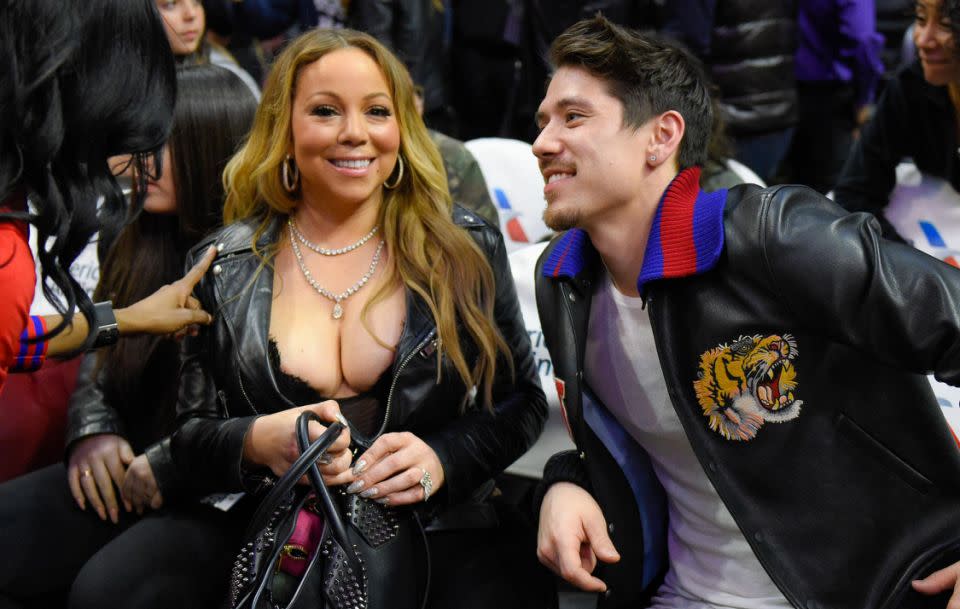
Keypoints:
pixel 939 581
pixel 96 464
pixel 172 308
pixel 573 536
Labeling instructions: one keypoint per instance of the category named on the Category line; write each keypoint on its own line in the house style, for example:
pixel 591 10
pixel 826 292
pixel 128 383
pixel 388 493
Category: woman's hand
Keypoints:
pixel 96 464
pixel 390 471
pixel 272 442
pixel 172 309
pixel 140 486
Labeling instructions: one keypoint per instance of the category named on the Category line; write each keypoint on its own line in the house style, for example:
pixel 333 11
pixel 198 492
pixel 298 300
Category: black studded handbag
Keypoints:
pixel 368 556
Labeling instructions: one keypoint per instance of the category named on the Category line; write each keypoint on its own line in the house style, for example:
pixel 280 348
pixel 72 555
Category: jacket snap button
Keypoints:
pixel 468 218
pixel 583 455
pixel 219 247
pixel 758 536
pixel 573 297
pixel 610 528
pixel 608 593
pixel 217 269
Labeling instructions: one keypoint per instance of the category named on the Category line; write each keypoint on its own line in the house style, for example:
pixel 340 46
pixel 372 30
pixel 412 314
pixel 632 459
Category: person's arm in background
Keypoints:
pixel 860 47
pixel 464 178
pixel 869 175
pixel 18 280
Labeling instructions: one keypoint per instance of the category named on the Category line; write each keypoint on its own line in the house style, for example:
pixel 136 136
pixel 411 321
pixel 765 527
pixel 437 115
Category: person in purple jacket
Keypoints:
pixel 838 66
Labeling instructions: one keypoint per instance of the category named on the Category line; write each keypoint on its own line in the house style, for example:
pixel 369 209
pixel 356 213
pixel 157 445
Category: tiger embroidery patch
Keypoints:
pixel 742 385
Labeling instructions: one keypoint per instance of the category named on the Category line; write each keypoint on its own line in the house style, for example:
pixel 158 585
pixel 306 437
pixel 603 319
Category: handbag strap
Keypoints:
pixel 330 511
pixel 288 481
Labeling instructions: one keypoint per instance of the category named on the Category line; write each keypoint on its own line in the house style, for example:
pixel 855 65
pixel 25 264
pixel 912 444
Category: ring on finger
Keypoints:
pixel 426 483
pixel 87 472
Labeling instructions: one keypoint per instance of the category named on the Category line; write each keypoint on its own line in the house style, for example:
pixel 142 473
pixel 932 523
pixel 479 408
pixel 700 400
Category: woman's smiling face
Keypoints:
pixel 933 36
pixel 345 135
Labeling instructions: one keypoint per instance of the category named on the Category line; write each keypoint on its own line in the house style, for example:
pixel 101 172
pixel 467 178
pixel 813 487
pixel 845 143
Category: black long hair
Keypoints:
pixel 213 113
pixel 79 82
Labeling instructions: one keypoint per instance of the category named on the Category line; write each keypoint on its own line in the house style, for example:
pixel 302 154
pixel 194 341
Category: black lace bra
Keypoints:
pixel 364 411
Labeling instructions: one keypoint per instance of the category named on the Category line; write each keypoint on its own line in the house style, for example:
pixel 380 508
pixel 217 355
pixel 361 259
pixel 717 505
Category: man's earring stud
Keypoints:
pixel 653 157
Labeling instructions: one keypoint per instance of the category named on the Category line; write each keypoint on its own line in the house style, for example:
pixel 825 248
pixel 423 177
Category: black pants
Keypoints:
pixel 824 134
pixel 490 568
pixel 56 555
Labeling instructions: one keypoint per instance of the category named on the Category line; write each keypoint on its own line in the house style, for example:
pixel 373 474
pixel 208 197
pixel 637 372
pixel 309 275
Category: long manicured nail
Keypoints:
pixel 383 501
pixel 325 459
pixel 342 419
pixel 355 486
pixel 370 492
pixel 359 467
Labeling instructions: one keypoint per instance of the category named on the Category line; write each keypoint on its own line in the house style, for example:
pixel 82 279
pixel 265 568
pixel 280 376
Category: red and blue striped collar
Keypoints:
pixel 686 237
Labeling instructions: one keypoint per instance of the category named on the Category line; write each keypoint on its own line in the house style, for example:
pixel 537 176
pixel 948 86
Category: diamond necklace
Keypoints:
pixel 324 251
pixel 336 298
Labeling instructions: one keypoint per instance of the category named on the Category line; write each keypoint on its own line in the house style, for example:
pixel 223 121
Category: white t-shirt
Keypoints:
pixel 710 562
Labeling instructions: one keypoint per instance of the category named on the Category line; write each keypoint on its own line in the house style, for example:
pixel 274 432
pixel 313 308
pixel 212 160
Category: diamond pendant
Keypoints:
pixel 337 311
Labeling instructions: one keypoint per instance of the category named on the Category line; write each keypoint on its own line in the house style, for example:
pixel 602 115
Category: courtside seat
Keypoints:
pixel 516 187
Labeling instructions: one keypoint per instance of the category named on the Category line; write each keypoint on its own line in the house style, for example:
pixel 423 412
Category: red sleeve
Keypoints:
pixel 18 278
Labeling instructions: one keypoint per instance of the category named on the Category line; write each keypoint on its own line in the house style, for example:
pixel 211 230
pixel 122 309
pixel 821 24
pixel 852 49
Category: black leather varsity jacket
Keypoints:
pixel 792 340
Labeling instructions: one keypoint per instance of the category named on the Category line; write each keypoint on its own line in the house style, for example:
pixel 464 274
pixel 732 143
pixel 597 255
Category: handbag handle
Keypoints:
pixel 285 483
pixel 331 513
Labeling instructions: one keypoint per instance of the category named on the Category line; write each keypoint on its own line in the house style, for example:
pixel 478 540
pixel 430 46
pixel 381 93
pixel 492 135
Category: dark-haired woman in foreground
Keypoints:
pixel 124 404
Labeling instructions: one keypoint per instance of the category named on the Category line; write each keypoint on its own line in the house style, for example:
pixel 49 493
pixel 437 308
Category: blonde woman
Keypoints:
pixel 348 282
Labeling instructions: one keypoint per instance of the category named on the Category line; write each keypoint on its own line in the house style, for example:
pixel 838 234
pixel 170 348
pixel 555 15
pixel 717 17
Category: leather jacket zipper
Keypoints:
pixel 244 392
pixel 396 377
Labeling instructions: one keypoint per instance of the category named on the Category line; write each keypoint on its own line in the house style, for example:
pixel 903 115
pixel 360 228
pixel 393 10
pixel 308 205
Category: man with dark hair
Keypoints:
pixel 740 370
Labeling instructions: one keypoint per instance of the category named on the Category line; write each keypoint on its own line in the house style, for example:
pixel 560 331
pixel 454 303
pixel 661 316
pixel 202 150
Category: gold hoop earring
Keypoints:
pixel 289 184
pixel 399 175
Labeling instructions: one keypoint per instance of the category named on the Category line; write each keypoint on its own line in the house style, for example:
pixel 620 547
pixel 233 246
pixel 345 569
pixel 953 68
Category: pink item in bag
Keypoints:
pixel 303 541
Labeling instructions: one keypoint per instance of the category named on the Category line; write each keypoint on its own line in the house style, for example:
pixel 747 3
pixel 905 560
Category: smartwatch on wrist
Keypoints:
pixel 108 332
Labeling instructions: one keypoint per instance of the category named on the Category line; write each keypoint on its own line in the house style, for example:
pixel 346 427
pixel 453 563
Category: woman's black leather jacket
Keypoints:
pixel 226 379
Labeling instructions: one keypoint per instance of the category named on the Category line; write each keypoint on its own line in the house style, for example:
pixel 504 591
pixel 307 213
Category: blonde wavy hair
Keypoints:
pixel 432 256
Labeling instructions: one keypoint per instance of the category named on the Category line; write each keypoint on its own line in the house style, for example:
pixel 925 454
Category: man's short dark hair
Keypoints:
pixel 646 73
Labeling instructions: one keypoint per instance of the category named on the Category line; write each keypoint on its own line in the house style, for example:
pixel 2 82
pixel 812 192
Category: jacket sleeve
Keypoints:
pixel 88 412
pixel 565 466
pixel 207 445
pixel 879 296
pixel 481 444
pixel 18 279
pixel 869 175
